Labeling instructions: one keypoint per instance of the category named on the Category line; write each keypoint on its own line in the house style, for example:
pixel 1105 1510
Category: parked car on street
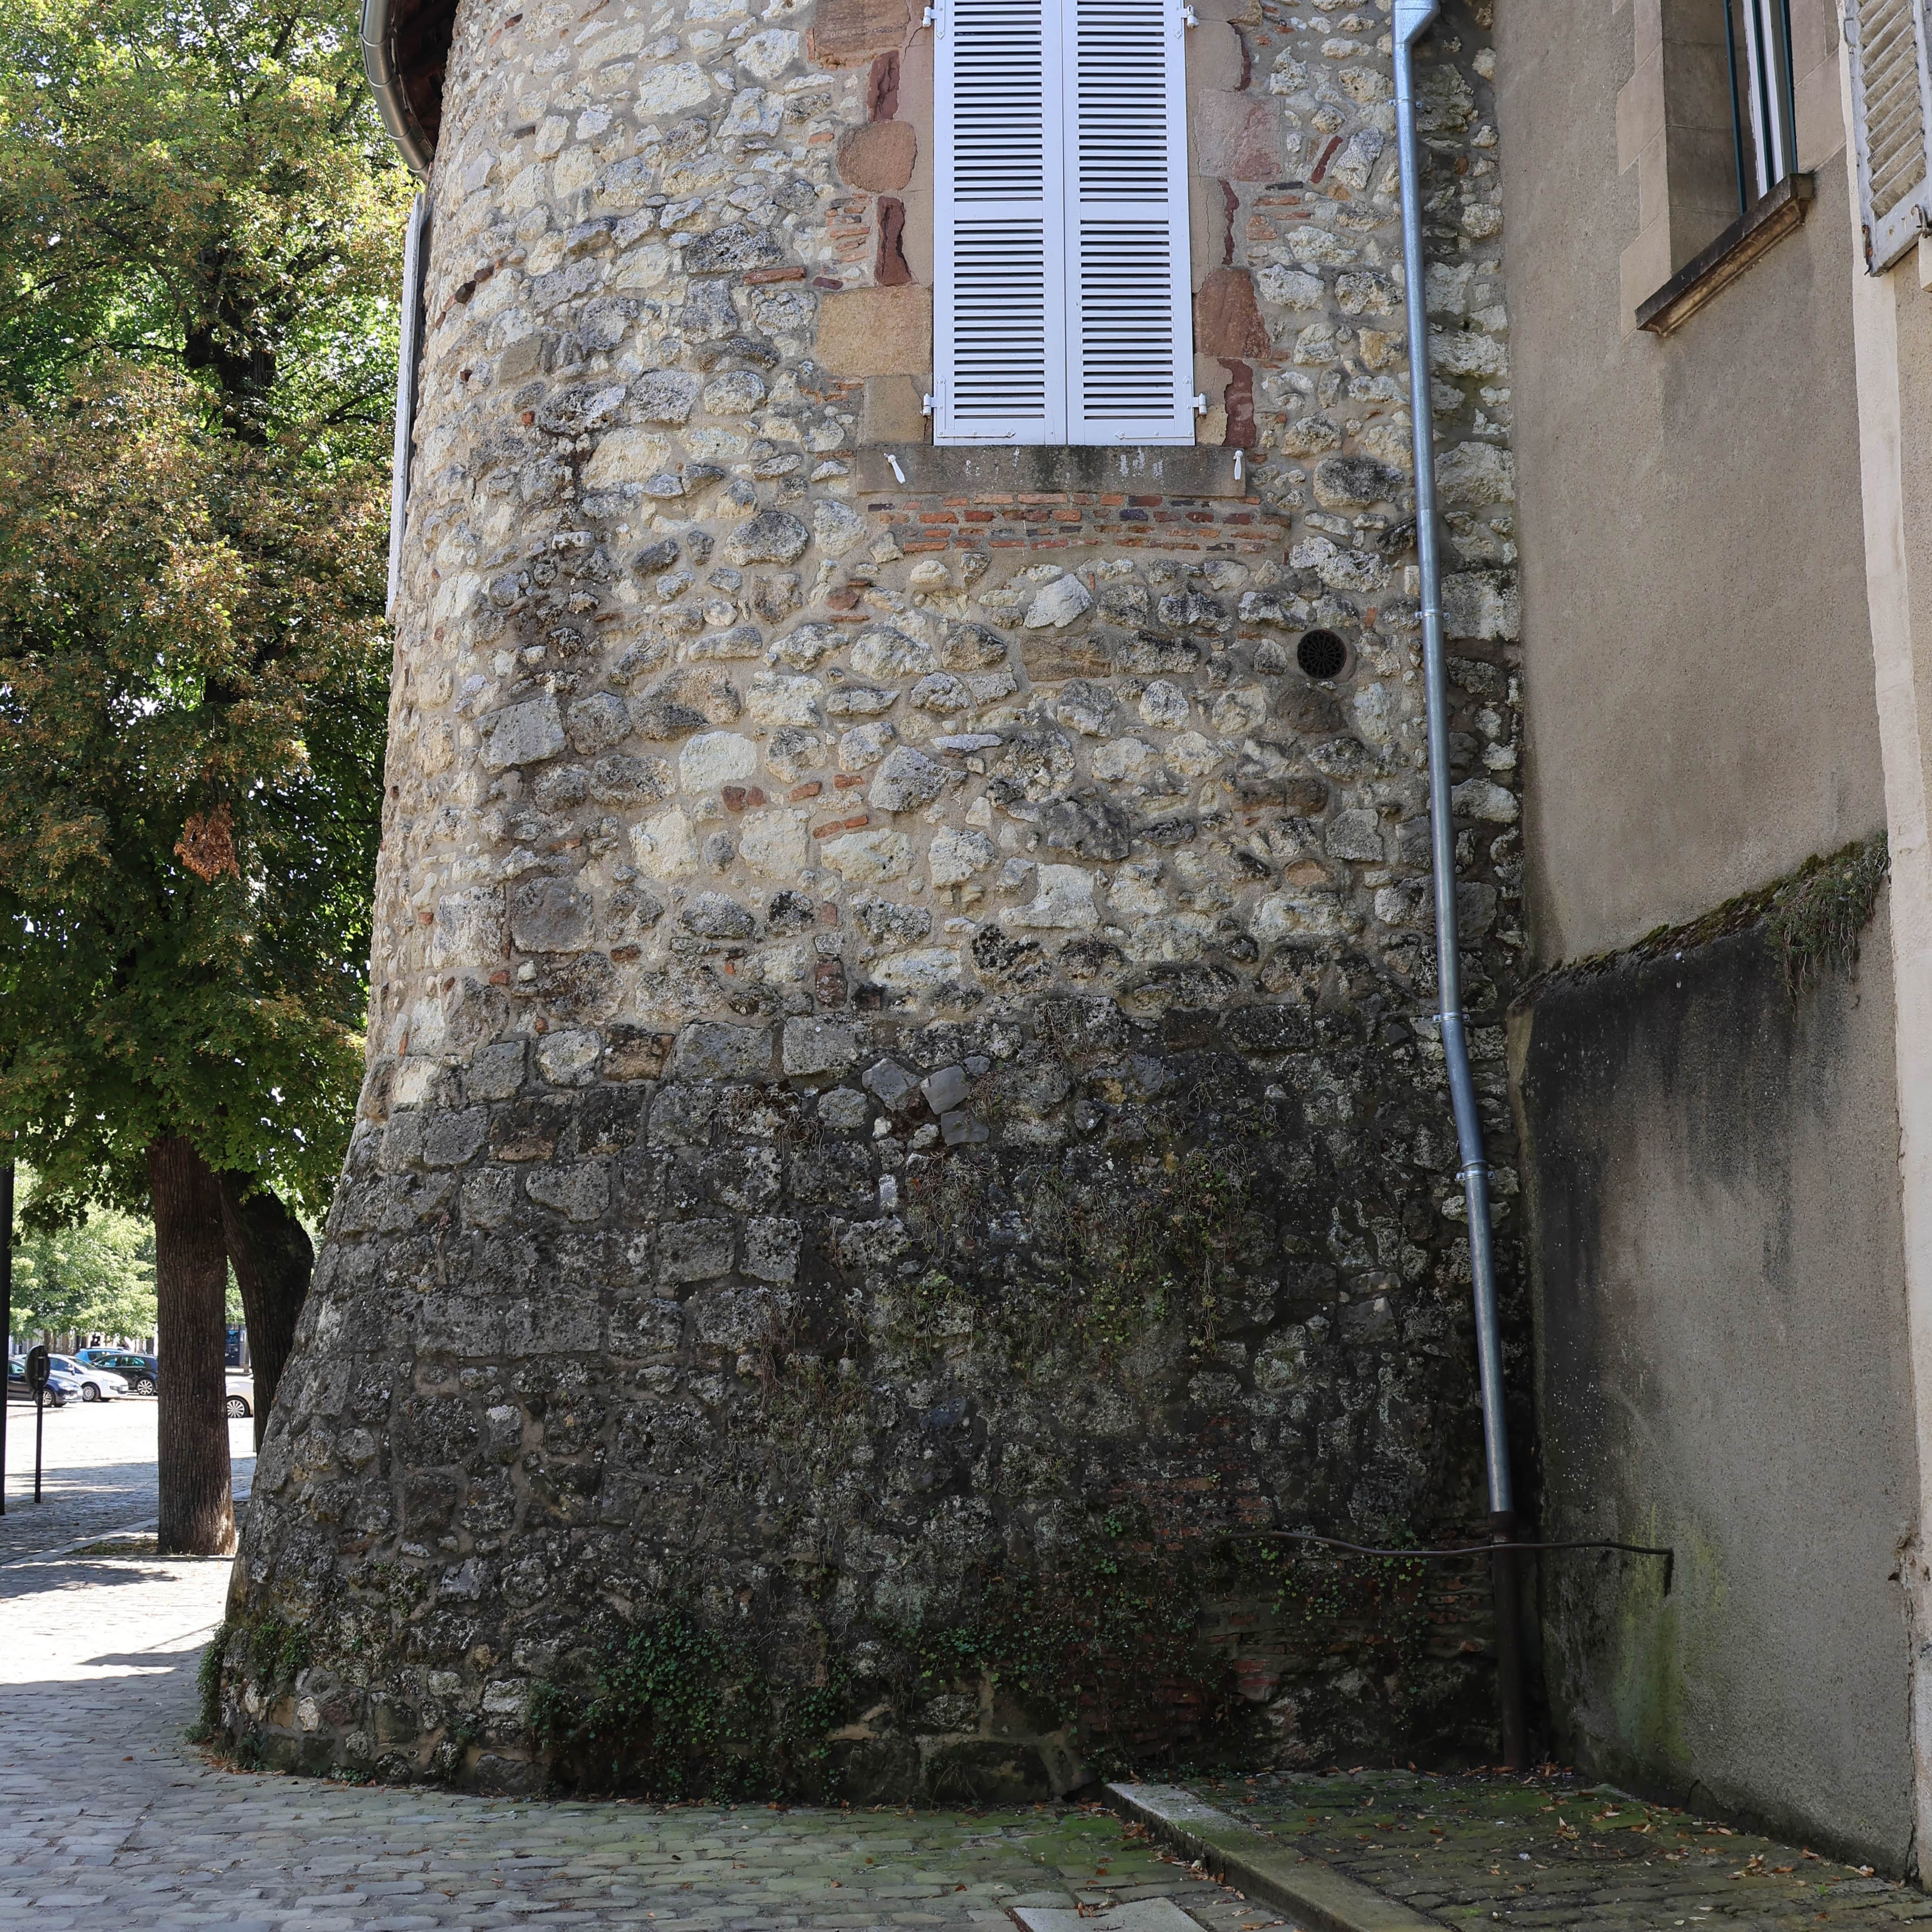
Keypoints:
pixel 59 1387
pixel 141 1373
pixel 96 1384
pixel 241 1393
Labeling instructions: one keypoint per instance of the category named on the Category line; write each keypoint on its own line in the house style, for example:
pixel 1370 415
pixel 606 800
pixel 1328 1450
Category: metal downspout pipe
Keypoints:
pixel 1413 18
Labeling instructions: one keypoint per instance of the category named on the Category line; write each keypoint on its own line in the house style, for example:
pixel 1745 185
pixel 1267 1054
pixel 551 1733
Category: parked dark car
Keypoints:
pixel 17 1389
pixel 141 1373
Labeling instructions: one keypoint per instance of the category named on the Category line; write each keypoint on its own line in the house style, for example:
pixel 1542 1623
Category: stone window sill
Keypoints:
pixel 1149 470
pixel 1754 233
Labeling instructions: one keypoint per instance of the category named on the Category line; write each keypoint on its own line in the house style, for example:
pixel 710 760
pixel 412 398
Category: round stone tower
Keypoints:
pixel 902 1135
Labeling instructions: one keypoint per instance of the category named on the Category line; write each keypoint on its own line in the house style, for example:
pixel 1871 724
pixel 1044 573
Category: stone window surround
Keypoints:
pixel 895 361
pixel 1690 241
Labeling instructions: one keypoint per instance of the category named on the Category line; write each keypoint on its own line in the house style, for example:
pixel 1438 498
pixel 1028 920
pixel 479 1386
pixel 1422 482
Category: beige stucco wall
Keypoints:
pixel 1699 691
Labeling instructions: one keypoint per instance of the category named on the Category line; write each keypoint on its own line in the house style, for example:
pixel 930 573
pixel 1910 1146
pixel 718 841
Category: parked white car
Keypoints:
pixel 96 1384
pixel 241 1393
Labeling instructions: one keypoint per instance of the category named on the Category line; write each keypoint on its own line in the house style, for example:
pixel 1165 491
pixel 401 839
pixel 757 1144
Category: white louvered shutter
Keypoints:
pixel 1891 115
pixel 1130 348
pixel 1000 328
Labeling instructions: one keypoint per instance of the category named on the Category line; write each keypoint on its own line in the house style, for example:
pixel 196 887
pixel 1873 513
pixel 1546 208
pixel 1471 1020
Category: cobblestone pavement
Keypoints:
pixel 1556 1852
pixel 105 1813
pixel 97 1472
pixel 105 1810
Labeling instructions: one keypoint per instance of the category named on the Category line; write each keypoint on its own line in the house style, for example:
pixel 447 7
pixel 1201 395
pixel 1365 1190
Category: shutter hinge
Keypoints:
pixel 1189 17
pixel 1238 453
pixel 931 16
pixel 1200 405
pixel 928 405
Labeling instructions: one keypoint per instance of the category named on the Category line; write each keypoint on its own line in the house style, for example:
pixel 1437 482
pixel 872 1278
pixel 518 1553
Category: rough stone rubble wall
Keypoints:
pixel 814 924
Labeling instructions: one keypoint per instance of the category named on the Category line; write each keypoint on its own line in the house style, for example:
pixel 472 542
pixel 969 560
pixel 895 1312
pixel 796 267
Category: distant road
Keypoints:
pixel 99 1472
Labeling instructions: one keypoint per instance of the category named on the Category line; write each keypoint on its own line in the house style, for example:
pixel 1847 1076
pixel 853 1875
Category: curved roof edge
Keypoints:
pixel 405 50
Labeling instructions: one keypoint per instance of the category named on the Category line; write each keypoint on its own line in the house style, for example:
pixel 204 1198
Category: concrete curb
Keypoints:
pixel 1318 1897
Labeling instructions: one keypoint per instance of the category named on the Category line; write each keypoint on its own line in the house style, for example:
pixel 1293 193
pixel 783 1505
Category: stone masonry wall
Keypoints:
pixel 902 1125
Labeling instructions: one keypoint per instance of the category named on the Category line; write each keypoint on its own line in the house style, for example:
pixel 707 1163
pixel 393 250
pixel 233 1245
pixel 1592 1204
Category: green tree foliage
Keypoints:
pixel 205 187
pixel 191 671
pixel 96 1277
pixel 200 224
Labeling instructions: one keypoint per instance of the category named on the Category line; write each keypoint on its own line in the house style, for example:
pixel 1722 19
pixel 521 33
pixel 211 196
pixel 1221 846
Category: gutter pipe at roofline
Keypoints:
pixel 385 82
pixel 1413 18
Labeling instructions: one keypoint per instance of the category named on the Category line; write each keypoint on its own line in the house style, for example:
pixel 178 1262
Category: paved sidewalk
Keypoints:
pixel 97 1472
pixel 106 1816
pixel 1555 1852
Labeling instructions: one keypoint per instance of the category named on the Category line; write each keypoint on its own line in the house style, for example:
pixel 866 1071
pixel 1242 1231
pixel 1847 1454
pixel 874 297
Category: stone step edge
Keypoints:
pixel 1321 1898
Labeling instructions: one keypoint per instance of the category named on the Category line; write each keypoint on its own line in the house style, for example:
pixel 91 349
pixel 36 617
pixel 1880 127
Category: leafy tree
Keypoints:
pixel 98 1274
pixel 192 671
pixel 205 186
pixel 200 226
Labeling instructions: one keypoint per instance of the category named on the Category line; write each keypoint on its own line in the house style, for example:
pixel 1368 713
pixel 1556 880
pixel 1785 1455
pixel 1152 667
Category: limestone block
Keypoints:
pixel 836 527
pixel 624 455
pixel 1481 603
pixel 732 250
pixel 523 734
pixel 1298 288
pixel 737 393
pixel 1476 473
pixel 549 915
pixel 495 1072
pixel 885 653
pixel 817 1046
pixel 568 1059
pixel 666 846
pixel 1063 900
pixel 926 971
pixel 877 332
pixel 715 758
pixel 468 928
pixel 673 85
pixel 767 55
pixel 773 536
pixel 772 1246
pixel 775 843
pixel 710 1050
pixel 1059 603
pixel 595 724
pixel 1483 798
pixel 693 1251
pixel 1355 834
pixel 718 915
pixel 451 1139
pixel 954 857
pixel 906 780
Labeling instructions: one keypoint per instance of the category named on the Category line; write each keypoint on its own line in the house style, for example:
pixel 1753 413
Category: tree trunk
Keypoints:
pixel 190 1298
pixel 273 1259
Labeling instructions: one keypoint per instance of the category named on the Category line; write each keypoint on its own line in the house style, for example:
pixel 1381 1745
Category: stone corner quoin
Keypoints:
pixel 900 1057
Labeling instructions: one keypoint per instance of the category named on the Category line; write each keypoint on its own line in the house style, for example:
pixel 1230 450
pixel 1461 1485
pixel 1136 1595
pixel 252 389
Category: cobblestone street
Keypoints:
pixel 104 1812
pixel 1557 1852
pixel 97 1472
